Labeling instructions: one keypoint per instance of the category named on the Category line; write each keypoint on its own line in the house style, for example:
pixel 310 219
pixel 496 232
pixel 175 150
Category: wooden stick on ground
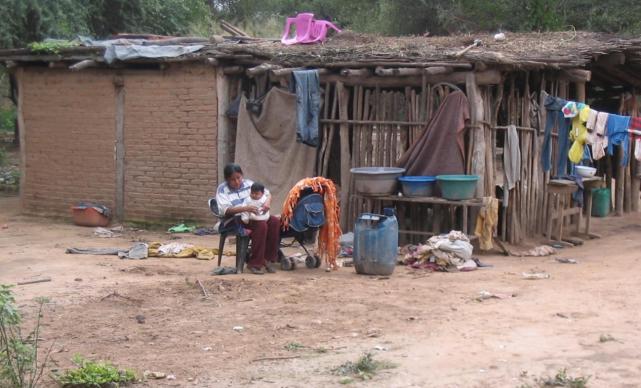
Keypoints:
pixel 202 288
pixel 274 358
pixel 42 280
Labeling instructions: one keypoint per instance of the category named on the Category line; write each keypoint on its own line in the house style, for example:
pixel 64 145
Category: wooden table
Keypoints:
pixel 465 204
pixel 559 205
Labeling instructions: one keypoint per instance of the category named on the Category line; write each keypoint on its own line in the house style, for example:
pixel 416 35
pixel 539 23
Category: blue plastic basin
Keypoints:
pixel 417 186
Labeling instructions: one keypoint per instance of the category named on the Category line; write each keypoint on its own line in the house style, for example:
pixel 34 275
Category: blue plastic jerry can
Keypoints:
pixel 376 243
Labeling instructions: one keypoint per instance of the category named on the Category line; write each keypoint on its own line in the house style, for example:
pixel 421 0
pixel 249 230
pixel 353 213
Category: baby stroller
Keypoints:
pixel 308 217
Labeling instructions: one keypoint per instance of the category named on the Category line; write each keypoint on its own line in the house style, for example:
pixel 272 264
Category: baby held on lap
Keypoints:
pixel 256 198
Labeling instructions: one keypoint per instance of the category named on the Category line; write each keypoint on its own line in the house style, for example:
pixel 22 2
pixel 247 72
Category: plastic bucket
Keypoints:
pixel 417 186
pixel 601 202
pixel 376 180
pixel 457 187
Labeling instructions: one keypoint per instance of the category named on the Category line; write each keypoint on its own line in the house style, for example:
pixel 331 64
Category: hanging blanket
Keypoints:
pixel 440 149
pixel 330 233
pixel 266 146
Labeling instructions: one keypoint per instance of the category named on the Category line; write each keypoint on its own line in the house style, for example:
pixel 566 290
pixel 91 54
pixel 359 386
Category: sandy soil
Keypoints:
pixel 428 324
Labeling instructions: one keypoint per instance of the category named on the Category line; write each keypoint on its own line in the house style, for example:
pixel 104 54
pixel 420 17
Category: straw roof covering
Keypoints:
pixel 521 50
pixel 553 49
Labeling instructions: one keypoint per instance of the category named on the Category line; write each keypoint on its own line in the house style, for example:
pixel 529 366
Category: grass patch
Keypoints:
pixel 365 368
pixel 94 374
pixel 294 346
pixel 562 379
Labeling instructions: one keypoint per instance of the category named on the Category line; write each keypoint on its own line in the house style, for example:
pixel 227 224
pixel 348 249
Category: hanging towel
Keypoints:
pixel 512 157
pixel 591 120
pixel 599 140
pixel 617 131
pixel 579 135
pixel 439 149
pixel 555 119
pixel 486 222
pixel 307 106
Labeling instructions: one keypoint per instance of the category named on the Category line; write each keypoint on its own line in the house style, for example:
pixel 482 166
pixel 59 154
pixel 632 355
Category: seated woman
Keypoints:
pixel 265 236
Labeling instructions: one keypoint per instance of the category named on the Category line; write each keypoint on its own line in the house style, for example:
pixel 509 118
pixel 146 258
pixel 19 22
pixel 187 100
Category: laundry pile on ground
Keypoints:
pixel 141 250
pixel 448 253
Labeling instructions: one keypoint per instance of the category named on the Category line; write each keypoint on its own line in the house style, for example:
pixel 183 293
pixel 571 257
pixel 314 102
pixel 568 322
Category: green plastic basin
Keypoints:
pixel 457 187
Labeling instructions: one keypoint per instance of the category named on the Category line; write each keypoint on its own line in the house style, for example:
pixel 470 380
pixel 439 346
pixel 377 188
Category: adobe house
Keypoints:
pixel 149 136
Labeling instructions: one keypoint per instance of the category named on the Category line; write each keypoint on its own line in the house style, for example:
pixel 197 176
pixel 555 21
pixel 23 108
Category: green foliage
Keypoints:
pixel 26 21
pixel 294 346
pixel 7 119
pixel 18 355
pixel 561 379
pixel 364 368
pixel 95 374
pixel 50 46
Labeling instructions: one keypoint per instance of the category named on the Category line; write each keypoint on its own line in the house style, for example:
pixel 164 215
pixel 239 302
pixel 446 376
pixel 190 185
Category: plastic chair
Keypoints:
pixel 319 31
pixel 241 234
pixel 303 23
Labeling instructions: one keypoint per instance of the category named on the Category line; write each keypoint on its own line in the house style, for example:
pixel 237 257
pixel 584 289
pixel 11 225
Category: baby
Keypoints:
pixel 256 198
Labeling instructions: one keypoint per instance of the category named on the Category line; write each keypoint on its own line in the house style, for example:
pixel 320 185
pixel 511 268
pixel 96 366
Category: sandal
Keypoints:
pixel 256 271
pixel 270 268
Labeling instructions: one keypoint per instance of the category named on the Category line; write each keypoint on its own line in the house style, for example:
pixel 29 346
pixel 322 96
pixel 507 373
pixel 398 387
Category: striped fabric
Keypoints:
pixel 226 197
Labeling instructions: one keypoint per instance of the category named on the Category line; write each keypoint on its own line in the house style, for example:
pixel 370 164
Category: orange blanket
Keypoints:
pixel 330 233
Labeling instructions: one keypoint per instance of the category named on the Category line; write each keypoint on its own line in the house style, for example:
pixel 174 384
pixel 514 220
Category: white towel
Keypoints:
pixel 599 140
pixel 591 123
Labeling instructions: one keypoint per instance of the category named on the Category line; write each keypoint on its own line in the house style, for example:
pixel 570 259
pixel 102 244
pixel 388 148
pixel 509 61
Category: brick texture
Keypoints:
pixel 170 142
pixel 70 129
pixel 170 139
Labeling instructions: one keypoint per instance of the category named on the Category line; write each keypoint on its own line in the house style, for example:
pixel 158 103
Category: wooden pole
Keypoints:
pixel 22 135
pixel 119 212
pixel 83 65
pixel 223 124
pixel 355 72
pixel 489 77
pixel 478 134
pixel 343 103
pixel 620 187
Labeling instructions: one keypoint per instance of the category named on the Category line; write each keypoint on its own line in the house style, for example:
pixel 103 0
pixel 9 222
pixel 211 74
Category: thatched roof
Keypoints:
pixel 554 49
pixel 522 50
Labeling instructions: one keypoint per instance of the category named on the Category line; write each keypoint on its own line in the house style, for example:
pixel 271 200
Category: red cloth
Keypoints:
pixel 440 148
pixel 265 237
pixel 635 123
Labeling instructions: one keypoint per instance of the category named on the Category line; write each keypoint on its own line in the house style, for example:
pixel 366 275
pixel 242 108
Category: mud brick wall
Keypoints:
pixel 69 139
pixel 170 140
pixel 170 143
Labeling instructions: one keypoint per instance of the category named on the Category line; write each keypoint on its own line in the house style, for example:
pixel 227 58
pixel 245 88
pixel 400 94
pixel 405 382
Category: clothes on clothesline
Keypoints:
pixel 512 157
pixel 555 119
pixel 589 127
pixel 618 135
pixel 307 85
pixel 599 140
pixel 579 134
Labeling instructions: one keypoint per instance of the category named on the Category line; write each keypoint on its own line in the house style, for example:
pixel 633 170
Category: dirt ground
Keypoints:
pixel 428 324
